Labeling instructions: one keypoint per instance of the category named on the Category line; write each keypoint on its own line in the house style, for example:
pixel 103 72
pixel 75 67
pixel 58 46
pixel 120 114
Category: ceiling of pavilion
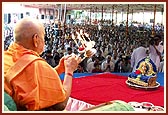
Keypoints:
pixel 149 7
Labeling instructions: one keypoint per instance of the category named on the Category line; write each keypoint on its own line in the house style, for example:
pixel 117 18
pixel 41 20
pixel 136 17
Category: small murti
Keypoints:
pixel 145 74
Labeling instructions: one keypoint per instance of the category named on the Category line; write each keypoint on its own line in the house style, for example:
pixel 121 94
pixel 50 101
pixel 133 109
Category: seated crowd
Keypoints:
pixel 114 47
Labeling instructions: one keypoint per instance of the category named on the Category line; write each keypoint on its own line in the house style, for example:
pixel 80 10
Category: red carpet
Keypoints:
pixel 106 87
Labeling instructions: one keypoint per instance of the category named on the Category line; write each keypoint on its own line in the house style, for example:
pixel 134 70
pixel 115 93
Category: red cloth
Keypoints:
pixel 100 88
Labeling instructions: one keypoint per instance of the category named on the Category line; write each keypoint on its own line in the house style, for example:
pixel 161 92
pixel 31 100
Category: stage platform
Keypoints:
pixel 160 76
pixel 97 88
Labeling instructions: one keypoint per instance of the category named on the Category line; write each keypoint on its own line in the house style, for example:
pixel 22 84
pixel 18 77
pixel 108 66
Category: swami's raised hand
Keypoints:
pixel 71 62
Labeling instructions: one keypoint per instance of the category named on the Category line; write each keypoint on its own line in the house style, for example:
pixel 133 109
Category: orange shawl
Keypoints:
pixel 38 86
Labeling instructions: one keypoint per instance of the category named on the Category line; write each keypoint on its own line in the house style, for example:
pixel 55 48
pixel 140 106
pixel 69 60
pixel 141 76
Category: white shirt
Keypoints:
pixel 89 60
pixel 160 48
pixel 105 64
pixel 90 67
pixel 154 56
pixel 137 55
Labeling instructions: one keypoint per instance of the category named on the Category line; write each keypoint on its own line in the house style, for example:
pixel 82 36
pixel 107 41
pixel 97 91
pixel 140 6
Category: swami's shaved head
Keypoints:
pixel 26 32
pixel 26 27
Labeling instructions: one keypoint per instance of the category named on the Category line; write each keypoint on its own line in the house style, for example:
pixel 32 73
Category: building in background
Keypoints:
pixel 79 13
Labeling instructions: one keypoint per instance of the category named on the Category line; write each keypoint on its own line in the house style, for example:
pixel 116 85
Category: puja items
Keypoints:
pixel 85 45
pixel 135 104
pixel 145 106
pixel 157 108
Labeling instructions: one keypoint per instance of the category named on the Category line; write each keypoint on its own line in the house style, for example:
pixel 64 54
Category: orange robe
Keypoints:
pixel 38 86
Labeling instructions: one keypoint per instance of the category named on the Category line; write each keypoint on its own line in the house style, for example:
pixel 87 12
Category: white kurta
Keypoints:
pixel 154 56
pixel 104 66
pixel 137 55
pixel 90 67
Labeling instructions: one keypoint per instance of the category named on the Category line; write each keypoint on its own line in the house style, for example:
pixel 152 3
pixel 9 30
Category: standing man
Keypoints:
pixel 156 50
pixel 138 54
pixel 108 65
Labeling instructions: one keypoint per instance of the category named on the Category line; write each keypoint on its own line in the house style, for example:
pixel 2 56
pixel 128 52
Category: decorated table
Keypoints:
pixel 104 87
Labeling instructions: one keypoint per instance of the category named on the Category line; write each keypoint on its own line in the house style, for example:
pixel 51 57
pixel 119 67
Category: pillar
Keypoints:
pixel 90 15
pixel 127 21
pixel 112 15
pixel 132 15
pixel 153 29
pixel 102 12
pixel 64 21
pixel 162 15
pixel 116 17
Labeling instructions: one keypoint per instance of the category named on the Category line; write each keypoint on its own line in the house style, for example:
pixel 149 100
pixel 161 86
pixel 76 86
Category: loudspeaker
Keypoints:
pixel 69 17
pixel 9 18
pixel 21 15
pixel 42 16
pixel 51 17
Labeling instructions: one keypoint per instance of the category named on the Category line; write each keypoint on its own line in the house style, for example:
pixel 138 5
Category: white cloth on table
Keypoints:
pixel 77 105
